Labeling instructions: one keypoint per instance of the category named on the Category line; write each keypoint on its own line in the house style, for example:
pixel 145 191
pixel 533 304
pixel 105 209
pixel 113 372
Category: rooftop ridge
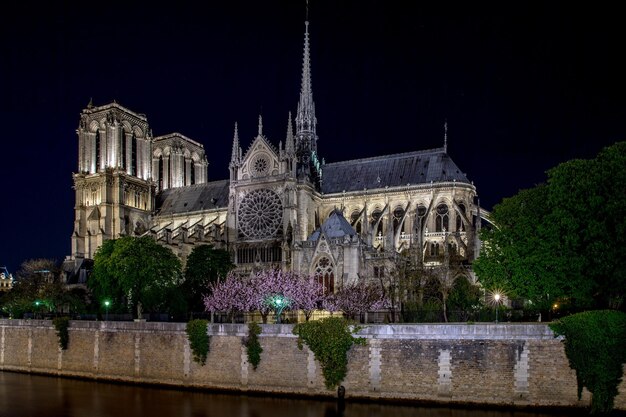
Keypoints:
pixel 117 105
pixel 389 156
pixel 180 135
pixel 187 187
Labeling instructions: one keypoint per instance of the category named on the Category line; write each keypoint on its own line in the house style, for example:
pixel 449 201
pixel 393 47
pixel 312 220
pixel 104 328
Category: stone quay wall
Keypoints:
pixel 494 364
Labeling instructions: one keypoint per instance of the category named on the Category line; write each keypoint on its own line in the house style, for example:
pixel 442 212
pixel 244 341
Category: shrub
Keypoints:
pixel 595 345
pixel 199 340
pixel 61 324
pixel 253 346
pixel 329 339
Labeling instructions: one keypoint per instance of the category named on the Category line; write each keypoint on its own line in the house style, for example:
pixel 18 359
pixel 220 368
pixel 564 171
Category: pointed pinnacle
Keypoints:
pixel 235 153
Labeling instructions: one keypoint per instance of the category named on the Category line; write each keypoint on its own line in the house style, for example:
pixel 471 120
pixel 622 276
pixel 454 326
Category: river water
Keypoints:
pixel 23 395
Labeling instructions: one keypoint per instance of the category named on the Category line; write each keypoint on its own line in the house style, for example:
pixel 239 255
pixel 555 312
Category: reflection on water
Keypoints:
pixel 30 395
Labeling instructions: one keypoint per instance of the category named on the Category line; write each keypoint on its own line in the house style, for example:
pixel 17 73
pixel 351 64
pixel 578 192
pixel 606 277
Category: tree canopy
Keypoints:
pixel 563 241
pixel 205 265
pixel 137 273
pixel 301 292
pixel 357 298
pixel 38 288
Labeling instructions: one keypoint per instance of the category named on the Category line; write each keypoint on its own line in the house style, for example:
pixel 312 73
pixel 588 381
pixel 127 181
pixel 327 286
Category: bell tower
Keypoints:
pixel 113 185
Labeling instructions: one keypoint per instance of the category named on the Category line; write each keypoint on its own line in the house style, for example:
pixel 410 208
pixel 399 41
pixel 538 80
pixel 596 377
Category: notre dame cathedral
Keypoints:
pixel 282 207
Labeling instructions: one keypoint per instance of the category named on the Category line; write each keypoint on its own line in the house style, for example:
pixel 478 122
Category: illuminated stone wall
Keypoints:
pixel 505 364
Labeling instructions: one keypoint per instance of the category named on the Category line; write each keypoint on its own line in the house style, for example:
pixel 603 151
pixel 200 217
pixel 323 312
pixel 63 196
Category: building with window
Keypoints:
pixel 6 279
pixel 281 207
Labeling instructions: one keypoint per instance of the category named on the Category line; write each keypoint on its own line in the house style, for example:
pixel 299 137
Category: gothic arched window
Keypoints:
pixel 325 275
pixel 452 248
pixel 398 214
pixel 133 155
pixel 355 220
pixel 376 215
pixel 442 219
pixel 193 172
pixel 98 154
pixel 420 213
pixel 459 219
pixel 123 142
pixel 161 172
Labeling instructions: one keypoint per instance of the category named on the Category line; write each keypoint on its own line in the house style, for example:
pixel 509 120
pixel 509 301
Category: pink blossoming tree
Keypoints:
pixel 230 295
pixel 356 299
pixel 259 293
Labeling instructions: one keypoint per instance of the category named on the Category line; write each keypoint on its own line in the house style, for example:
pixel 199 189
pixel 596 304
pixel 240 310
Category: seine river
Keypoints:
pixel 23 395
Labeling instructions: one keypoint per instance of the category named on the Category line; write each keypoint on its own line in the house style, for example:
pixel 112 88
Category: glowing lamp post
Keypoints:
pixel 496 298
pixel 278 303
pixel 107 303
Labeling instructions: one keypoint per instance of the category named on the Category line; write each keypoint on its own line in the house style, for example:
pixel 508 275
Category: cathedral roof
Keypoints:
pixel 411 168
pixel 193 198
pixel 335 226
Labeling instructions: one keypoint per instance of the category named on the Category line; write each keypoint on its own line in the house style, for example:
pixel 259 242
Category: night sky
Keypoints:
pixel 523 89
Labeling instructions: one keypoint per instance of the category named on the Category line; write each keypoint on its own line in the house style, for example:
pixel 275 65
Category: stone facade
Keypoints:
pixel 507 364
pixel 6 279
pixel 282 206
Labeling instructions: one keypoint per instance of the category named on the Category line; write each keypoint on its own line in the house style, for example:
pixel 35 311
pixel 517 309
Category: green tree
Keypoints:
pixel 38 288
pixel 516 257
pixel 595 345
pixel 590 209
pixel 205 265
pixel 464 300
pixel 562 241
pixel 136 272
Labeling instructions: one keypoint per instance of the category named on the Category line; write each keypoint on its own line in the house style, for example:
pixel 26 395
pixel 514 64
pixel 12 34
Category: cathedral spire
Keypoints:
pixel 289 146
pixel 260 125
pixel 305 119
pixel 234 158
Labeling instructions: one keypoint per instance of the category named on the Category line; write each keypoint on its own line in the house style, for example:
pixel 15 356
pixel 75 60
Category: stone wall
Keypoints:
pixel 503 364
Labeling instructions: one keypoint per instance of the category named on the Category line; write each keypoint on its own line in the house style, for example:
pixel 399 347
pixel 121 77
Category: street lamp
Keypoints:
pixel 107 303
pixel 496 298
pixel 278 303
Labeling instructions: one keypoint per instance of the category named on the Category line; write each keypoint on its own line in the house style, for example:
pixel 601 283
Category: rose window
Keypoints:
pixel 260 214
pixel 260 165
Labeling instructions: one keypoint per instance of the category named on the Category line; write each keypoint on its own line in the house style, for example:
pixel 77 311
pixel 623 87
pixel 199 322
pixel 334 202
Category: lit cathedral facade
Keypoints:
pixel 282 207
